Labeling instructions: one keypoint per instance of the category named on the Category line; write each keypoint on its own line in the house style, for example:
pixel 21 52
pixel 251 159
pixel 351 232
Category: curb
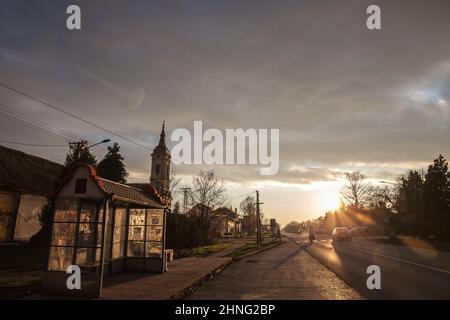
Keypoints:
pixel 187 291
pixel 184 293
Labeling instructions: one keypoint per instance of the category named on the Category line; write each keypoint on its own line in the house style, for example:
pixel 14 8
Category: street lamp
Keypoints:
pixel 82 145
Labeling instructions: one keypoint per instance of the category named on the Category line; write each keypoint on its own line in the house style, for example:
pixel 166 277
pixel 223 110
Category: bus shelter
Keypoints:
pixel 104 228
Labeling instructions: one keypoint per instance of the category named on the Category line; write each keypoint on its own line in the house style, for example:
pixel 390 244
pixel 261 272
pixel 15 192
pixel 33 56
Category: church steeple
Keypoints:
pixel 160 170
pixel 162 136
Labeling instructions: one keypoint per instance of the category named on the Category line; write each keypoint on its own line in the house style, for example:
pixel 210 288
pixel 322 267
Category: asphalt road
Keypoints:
pixel 284 272
pixel 406 272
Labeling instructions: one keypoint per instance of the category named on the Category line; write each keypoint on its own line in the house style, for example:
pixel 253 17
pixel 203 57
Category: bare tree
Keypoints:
pixel 174 182
pixel 248 208
pixel 356 192
pixel 207 191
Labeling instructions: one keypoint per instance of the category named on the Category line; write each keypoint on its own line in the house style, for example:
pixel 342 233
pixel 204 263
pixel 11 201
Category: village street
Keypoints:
pixel 283 272
pixel 299 269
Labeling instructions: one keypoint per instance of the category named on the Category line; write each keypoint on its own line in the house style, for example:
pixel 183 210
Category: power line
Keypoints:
pixel 73 115
pixel 40 123
pixel 33 126
pixel 85 121
pixel 32 145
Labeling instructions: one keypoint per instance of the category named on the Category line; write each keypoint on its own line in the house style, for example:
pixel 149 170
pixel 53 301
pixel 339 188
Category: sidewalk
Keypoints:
pixel 183 274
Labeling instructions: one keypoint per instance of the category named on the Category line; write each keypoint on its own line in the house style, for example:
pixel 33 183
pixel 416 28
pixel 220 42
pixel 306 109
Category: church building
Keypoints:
pixel 160 170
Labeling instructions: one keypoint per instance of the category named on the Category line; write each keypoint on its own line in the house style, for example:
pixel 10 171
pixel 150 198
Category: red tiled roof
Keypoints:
pixel 128 193
pixel 119 191
pixel 148 188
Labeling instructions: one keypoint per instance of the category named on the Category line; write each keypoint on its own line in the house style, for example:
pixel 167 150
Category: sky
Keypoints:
pixel 344 97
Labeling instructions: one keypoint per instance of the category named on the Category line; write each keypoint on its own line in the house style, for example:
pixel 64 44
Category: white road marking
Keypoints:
pixel 385 256
pixel 401 260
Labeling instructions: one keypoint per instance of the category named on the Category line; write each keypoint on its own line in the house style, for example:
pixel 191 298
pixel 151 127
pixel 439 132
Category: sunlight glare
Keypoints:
pixel 329 201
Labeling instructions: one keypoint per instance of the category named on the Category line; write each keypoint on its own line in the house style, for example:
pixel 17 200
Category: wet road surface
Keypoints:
pixel 406 272
pixel 284 272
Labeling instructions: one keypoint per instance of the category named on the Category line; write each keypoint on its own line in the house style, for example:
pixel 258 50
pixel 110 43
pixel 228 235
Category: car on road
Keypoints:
pixel 359 232
pixel 341 233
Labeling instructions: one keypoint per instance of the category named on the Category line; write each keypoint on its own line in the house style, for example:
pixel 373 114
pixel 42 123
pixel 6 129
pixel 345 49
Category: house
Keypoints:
pixel 25 183
pixel 225 221
pixel 199 210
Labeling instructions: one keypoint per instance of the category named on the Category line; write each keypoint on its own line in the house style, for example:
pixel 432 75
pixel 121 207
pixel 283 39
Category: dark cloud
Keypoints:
pixel 339 93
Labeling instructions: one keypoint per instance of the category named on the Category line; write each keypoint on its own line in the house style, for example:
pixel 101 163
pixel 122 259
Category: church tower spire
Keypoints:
pixel 162 136
pixel 160 170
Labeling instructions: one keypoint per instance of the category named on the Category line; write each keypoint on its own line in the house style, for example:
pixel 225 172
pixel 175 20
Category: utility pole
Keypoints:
pixel 185 199
pixel 79 147
pixel 258 219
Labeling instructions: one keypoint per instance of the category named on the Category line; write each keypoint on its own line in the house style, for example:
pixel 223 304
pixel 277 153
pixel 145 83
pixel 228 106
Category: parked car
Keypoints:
pixel 341 233
pixel 359 232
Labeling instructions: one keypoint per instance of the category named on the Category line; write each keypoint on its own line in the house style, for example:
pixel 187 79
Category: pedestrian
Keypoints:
pixel 312 236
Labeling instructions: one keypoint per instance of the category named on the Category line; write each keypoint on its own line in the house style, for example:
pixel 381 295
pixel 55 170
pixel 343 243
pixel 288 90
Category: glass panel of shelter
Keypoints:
pixel 119 238
pixel 154 233
pixel 136 233
pixel 145 233
pixel 76 235
pixel 77 230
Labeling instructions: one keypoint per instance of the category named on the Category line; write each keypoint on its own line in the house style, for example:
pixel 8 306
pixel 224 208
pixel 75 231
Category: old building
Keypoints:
pixel 25 183
pixel 225 221
pixel 222 221
pixel 199 210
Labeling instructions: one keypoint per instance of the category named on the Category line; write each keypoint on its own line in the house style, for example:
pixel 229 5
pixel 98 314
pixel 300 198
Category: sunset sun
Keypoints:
pixel 329 201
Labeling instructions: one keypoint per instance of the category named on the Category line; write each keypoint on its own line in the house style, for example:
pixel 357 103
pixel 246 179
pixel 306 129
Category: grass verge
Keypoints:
pixel 251 247
pixel 210 249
